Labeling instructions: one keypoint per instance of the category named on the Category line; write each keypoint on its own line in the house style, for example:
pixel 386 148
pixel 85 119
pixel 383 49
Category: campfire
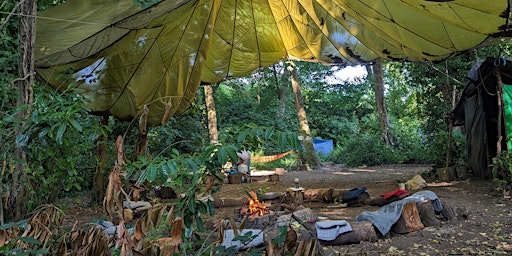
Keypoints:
pixel 255 208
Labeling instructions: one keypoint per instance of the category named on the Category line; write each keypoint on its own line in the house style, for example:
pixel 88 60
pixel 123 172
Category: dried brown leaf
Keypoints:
pixel 121 158
pixel 3 237
pixel 290 239
pixel 168 218
pixel 160 216
pixel 138 233
pixel 143 121
pixel 210 182
pixel 136 192
pixel 176 231
pixel 273 249
pixel 221 230
pixel 113 193
pixel 124 240
pixel 167 113
pixel 120 234
pixel 166 247
pixel 233 225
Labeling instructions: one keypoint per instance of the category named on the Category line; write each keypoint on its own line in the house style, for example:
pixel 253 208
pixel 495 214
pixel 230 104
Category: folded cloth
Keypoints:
pixel 388 214
pixel 255 237
pixel 398 192
pixel 354 194
pixel 329 230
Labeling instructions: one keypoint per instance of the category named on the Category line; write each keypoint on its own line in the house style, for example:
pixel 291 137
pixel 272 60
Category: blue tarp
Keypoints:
pixel 323 146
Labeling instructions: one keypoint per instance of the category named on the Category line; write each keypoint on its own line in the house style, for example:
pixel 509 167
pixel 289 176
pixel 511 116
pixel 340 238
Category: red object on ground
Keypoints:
pixel 398 192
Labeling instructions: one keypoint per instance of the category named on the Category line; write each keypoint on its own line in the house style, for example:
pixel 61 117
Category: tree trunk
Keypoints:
pixel 378 84
pixel 361 231
pixel 281 85
pixel 318 195
pixel 212 114
pixel 450 130
pixel 101 152
pixel 141 145
pixel 27 33
pixel 310 155
pixel 427 214
pixel 409 221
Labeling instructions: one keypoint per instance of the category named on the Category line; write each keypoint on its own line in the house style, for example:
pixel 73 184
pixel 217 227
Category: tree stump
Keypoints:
pixel 318 195
pixel 427 214
pixel 297 195
pixel 273 178
pixel 338 194
pixel 409 221
pixel 448 212
pixel 361 231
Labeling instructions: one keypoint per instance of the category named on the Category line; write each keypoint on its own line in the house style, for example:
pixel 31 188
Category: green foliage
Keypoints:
pixel 60 158
pixel 365 149
pixel 260 138
pixel 502 170
pixel 12 247
pixel 187 175
pixel 283 230
pixel 187 132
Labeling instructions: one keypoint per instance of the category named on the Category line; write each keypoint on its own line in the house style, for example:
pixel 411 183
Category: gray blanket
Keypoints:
pixel 388 214
pixel 329 230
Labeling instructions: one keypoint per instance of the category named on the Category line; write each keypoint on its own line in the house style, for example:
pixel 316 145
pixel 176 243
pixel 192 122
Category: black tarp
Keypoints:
pixel 477 110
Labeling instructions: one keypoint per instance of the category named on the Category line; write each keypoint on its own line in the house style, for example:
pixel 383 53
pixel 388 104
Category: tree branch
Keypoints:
pixel 11 13
pixel 20 79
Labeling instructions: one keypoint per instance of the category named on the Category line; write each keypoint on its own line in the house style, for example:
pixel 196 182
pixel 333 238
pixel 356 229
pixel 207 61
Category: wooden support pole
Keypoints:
pixel 499 94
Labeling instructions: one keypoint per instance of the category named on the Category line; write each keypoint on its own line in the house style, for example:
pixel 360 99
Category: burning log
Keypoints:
pixel 255 207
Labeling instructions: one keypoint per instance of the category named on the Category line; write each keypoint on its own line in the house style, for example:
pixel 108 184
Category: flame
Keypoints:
pixel 256 208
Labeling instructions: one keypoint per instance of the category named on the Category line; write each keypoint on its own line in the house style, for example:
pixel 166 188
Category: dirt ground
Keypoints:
pixel 485 216
pixel 484 227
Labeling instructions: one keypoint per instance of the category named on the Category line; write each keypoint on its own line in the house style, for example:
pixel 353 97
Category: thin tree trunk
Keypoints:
pixel 378 84
pixel 499 95
pixel 450 126
pixel 281 85
pixel 310 155
pixel 212 114
pixel 100 169
pixel 141 145
pixel 451 94
pixel 27 33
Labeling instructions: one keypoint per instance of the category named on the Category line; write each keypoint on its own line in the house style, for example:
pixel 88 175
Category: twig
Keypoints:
pixel 1 193
pixel 20 79
pixel 11 13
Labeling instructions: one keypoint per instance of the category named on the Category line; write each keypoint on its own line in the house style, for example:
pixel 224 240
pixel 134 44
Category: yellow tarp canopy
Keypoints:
pixel 124 57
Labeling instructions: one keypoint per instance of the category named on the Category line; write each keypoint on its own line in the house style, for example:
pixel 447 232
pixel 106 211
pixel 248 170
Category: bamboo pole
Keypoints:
pixel 499 93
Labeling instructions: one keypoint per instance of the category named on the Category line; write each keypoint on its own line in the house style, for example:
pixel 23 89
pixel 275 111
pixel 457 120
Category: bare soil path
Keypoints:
pixel 484 227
